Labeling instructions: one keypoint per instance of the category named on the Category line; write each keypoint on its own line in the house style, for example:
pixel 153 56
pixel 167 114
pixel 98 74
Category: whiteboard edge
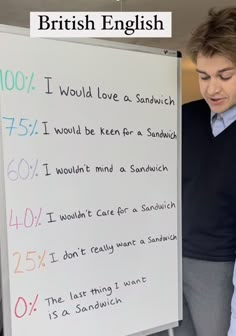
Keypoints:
pixel 149 332
pixel 96 42
pixel 5 283
pixel 179 189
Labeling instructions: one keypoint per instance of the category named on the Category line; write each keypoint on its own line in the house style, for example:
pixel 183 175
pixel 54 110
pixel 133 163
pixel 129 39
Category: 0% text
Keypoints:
pixel 24 307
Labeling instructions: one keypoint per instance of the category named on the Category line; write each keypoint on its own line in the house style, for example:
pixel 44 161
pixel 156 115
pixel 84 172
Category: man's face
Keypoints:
pixel 217 81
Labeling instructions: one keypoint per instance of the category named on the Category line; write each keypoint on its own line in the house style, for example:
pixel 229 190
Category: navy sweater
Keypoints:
pixel 209 186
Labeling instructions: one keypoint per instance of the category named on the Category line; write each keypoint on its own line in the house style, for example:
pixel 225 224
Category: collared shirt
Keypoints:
pixel 220 121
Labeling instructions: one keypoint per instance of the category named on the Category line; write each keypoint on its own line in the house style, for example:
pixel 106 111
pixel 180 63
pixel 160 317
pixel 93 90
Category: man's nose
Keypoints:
pixel 213 87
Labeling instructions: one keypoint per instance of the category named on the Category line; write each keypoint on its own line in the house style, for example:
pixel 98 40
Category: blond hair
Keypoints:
pixel 217 35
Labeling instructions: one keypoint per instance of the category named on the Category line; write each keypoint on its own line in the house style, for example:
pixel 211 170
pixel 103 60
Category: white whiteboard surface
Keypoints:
pixel 90 209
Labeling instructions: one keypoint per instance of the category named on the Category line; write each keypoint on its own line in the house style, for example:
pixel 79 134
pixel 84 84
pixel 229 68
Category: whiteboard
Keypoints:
pixel 90 176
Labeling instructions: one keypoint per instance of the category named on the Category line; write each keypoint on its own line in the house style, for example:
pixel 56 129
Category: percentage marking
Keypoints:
pixel 20 127
pixel 18 81
pixel 30 87
pixel 29 262
pixel 30 219
pixel 23 170
pixel 38 217
pixel 33 305
pixel 34 169
pixel 41 260
pixel 22 307
pixel 33 132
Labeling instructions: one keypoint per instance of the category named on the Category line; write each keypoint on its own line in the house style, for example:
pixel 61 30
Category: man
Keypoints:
pixel 209 180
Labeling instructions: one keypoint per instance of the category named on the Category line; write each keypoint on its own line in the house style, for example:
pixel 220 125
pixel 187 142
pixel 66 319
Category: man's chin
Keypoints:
pixel 218 108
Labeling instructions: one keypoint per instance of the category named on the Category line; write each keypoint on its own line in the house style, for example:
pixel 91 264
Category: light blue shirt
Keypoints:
pixel 220 121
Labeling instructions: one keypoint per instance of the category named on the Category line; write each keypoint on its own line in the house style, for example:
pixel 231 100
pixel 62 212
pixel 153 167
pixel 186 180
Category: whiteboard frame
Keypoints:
pixel 4 269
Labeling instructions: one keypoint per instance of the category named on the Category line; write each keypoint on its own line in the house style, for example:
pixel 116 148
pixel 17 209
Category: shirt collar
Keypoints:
pixel 228 116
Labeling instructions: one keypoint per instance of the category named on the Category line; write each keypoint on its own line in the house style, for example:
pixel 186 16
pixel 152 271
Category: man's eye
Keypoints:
pixel 204 78
pixel 225 77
